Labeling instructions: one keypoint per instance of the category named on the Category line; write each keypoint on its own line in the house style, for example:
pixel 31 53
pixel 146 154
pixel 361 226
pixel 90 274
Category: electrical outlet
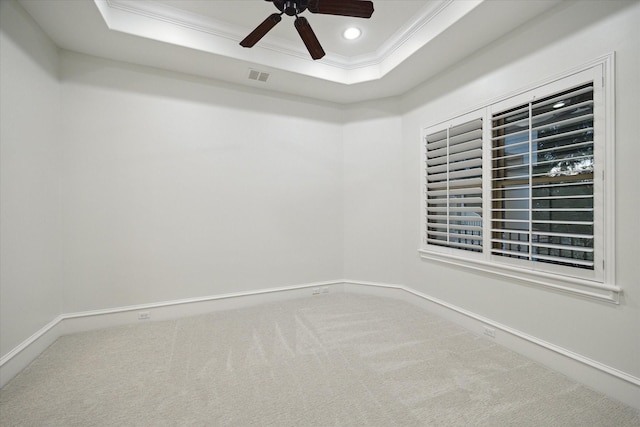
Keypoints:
pixel 490 332
pixel 144 315
pixel 316 291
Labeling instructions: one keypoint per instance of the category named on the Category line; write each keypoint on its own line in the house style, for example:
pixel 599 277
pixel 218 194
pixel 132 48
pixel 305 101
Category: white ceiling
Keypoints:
pixel 389 17
pixel 403 44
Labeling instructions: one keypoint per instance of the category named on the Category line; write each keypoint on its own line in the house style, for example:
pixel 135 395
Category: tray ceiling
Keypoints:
pixel 402 45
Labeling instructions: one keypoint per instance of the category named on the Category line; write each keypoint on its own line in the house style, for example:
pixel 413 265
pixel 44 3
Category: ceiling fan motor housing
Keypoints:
pixel 291 7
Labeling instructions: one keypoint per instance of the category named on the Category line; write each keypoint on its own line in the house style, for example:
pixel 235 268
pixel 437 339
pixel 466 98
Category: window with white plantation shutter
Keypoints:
pixel 542 180
pixel 524 187
pixel 454 186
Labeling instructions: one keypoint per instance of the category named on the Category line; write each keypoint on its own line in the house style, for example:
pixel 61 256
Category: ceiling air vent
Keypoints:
pixel 260 76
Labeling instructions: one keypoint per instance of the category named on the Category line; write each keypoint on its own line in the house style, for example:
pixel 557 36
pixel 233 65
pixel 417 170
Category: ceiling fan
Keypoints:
pixel 355 8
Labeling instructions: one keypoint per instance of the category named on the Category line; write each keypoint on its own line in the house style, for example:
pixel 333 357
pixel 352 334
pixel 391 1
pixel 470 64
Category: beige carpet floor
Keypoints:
pixel 330 360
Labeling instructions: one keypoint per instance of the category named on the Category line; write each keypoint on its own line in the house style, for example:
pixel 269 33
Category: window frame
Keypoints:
pixel 599 284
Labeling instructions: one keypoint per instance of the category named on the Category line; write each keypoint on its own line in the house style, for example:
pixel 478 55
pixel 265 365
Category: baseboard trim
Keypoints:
pixel 597 376
pixel 22 355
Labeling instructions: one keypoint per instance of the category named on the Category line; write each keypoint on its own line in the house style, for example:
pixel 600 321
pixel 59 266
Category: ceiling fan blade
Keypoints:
pixel 261 30
pixel 356 8
pixel 309 38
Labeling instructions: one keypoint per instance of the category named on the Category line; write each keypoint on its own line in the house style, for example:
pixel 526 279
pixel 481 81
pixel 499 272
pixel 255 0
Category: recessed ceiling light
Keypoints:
pixel 559 104
pixel 351 33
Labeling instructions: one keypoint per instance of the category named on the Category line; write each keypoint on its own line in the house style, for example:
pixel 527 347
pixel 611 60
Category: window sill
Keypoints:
pixel 582 287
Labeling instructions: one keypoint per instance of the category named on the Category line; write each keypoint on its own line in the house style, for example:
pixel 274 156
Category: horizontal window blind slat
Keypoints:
pixel 563 260
pixel 466 164
pixel 515 126
pixel 436 161
pixel 434 177
pixel 433 217
pixel 476 247
pixel 543 210
pixel 473 228
pixel 468 182
pixel 436 145
pixel 470 165
pixel 437 137
pixel 563 235
pixel 580 131
pixel 510 188
pixel 524 156
pixel 562 247
pixel 573 146
pixel 454 209
pixel 518 111
pixel 521 132
pixel 538 221
pixel 434 203
pixel 466 127
pixel 434 152
pixel 454 236
pixel 511 178
pixel 543 198
pixel 475 153
pixel 466 200
pixel 466 138
pixel 510 199
pixel 464 173
pixel 555 185
pixel 457 191
pixel 465 146
pixel 563 197
pixel 436 185
pixel 506 228
pixel 437 241
pixel 473 237
pixel 514 253
pixel 511 242
pixel 561 209
pixel 502 171
pixel 437 228
pixel 437 168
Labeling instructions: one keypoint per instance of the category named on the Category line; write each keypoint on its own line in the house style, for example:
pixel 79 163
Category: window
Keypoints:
pixel 518 187
pixel 542 180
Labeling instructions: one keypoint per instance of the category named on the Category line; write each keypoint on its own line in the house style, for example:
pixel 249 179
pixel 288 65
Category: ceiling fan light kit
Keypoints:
pixel 352 8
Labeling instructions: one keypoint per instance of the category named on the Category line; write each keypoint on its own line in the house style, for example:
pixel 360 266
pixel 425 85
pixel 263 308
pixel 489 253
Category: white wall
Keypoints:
pixel 177 187
pixel 574 34
pixel 30 219
pixel 372 196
